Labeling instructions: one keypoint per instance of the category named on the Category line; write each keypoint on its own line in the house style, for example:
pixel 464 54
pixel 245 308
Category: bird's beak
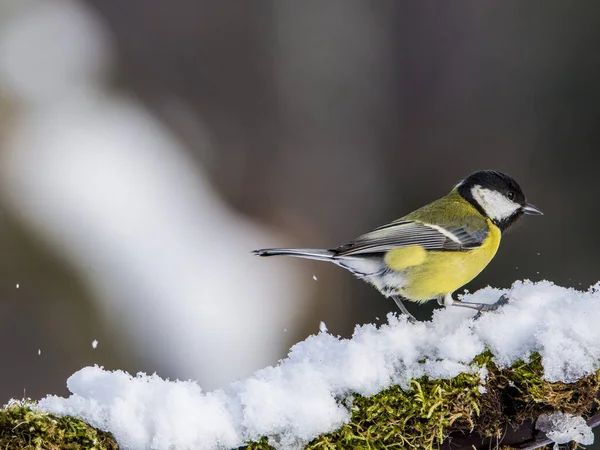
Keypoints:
pixel 532 210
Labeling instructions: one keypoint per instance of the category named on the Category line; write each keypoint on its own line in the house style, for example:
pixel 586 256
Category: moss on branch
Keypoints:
pixel 426 416
pixel 23 427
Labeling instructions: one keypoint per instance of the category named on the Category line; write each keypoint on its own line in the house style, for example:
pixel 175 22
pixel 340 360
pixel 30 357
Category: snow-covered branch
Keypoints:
pixel 395 383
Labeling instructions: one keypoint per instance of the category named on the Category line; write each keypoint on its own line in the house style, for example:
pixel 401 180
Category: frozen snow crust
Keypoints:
pixel 310 392
pixel 563 428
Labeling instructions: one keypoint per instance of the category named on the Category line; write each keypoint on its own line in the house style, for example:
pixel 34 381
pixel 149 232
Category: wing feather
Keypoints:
pixel 402 234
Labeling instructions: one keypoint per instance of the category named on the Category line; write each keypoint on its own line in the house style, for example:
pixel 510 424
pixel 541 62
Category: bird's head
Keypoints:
pixel 496 196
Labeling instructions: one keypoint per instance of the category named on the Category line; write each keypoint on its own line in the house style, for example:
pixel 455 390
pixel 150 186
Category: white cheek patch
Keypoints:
pixel 495 205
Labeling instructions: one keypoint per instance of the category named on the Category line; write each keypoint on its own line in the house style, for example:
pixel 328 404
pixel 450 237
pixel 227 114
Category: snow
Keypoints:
pixel 483 373
pixel 305 394
pixel 563 428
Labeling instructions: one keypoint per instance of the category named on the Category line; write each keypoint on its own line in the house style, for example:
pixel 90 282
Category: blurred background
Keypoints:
pixel 147 146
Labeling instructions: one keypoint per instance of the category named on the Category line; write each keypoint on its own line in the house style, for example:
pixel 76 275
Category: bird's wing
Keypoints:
pixel 408 232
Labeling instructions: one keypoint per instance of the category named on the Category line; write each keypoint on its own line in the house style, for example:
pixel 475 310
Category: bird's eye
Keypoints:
pixel 511 195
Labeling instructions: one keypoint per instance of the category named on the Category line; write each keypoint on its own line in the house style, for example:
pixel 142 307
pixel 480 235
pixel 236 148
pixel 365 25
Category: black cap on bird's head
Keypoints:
pixel 496 196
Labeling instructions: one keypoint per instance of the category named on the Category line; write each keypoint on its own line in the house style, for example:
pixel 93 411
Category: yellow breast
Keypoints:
pixel 430 274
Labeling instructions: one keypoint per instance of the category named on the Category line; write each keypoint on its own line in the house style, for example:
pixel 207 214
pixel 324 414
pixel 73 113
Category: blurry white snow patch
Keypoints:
pixel 305 394
pixel 563 428
pixel 106 185
pixel 114 192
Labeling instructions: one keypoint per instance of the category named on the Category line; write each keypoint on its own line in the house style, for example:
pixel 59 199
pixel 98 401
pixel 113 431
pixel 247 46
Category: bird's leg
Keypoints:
pixel 503 300
pixel 400 305
pixel 483 307
pixel 446 300
pixel 477 306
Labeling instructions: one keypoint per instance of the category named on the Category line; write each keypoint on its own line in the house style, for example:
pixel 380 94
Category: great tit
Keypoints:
pixel 431 252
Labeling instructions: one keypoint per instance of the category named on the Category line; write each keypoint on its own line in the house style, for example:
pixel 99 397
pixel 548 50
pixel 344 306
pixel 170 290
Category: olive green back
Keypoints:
pixel 451 211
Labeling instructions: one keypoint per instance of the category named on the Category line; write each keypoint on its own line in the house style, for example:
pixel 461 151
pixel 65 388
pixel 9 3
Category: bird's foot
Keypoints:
pixel 491 307
pixel 411 318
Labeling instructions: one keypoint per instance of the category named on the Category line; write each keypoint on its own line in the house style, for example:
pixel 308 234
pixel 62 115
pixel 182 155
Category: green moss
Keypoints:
pixel 424 416
pixel 22 427
pixel 417 418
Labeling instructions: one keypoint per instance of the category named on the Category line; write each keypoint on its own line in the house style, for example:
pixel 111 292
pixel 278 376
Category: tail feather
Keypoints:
pixel 308 253
pixel 362 266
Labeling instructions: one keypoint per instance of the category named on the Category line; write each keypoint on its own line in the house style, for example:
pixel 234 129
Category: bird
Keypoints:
pixel 431 252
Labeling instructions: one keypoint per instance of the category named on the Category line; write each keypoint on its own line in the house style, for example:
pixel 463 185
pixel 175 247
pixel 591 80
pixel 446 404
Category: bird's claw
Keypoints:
pixel 492 307
pixel 411 319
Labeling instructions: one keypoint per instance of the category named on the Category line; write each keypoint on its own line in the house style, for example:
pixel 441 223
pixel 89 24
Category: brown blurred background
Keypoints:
pixel 304 123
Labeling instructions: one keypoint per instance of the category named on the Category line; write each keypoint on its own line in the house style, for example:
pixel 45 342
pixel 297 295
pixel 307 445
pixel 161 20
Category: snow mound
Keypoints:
pixel 563 428
pixel 303 396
